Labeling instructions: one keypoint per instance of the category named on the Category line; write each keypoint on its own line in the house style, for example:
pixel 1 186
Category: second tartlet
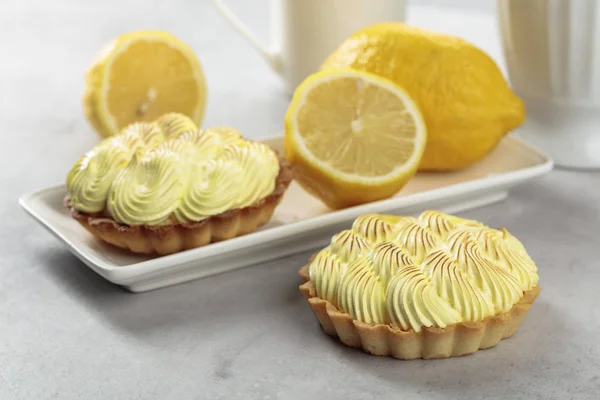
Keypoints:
pixel 166 186
pixel 435 286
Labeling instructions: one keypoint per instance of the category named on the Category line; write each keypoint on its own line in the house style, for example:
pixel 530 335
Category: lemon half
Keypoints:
pixel 140 76
pixel 353 137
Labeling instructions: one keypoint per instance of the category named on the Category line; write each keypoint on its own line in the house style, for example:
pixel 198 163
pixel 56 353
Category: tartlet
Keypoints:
pixel 435 286
pixel 166 186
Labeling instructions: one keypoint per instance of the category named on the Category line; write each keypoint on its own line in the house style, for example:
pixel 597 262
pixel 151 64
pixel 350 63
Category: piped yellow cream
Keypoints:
pixel 170 172
pixel 432 271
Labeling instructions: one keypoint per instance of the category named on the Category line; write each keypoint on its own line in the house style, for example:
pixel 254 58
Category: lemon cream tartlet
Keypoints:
pixel 435 286
pixel 166 186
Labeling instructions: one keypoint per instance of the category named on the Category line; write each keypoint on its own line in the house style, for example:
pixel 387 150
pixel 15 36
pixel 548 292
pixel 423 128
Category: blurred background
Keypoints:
pixel 47 47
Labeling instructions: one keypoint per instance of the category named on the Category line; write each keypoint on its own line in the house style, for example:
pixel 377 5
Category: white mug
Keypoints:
pixel 552 51
pixel 305 32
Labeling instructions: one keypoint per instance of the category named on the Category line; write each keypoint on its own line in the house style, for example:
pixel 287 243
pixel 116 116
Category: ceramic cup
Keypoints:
pixel 305 32
pixel 552 51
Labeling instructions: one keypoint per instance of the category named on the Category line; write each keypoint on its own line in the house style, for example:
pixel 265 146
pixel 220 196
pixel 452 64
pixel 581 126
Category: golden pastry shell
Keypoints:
pixel 433 342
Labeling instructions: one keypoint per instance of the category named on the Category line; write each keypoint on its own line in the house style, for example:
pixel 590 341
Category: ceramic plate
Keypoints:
pixel 301 222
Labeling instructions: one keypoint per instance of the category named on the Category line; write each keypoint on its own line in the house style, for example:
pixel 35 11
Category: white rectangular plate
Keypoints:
pixel 301 222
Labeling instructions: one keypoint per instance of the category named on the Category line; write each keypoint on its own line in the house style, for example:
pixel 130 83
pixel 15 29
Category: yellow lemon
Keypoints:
pixel 140 76
pixel 465 100
pixel 353 137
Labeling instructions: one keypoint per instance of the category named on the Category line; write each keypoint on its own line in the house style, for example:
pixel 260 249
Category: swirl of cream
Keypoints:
pixel 453 284
pixel 90 178
pixel 444 224
pixel 465 271
pixel 174 124
pixel 375 228
pixel 256 163
pixel 142 136
pixel 100 180
pixel 150 188
pixel 360 293
pixel 417 240
pixel 437 222
pixel 412 302
pixel 210 145
pixel 505 254
pixel 503 288
pixel 227 135
pixel 388 258
pixel 197 147
pixel 325 271
pixel 348 246
pixel 212 190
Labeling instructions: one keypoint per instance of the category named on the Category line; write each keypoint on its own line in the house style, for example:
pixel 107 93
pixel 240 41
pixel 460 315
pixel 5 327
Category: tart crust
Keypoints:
pixel 434 342
pixel 172 238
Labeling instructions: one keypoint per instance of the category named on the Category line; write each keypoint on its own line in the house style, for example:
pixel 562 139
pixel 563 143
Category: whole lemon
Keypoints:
pixel 465 100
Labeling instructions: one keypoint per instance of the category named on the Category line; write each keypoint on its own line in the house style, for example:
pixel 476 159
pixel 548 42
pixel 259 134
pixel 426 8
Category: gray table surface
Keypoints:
pixel 65 333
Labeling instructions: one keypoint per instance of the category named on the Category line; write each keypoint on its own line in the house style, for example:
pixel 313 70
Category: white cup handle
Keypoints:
pixel 272 57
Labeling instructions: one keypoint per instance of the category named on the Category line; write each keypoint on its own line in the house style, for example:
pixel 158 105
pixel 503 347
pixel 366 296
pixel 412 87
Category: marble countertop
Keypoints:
pixel 65 333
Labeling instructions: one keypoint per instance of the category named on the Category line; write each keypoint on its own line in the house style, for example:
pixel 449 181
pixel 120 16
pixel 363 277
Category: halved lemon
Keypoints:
pixel 353 137
pixel 140 76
